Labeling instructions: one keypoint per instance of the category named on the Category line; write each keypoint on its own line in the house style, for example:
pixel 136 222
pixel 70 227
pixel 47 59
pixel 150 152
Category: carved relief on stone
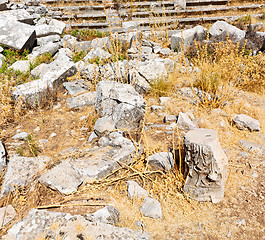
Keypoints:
pixel 206 166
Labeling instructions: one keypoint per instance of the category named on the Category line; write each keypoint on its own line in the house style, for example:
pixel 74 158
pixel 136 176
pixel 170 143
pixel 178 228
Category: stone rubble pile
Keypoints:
pixel 119 102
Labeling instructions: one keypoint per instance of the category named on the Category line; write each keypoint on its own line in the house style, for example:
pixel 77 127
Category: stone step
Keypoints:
pixel 162 13
pixel 147 24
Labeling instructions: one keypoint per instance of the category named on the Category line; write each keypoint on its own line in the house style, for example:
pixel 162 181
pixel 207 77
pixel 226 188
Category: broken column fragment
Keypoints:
pixel 206 166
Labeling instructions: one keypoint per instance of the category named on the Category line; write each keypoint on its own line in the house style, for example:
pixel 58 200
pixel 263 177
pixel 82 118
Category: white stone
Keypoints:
pixel 245 122
pixel 161 161
pixel 151 208
pixel 21 66
pixel 135 190
pixel 7 214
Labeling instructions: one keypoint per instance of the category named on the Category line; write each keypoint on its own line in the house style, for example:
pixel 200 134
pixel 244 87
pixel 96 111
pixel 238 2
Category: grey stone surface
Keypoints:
pixel 161 161
pixel 104 124
pixel 36 92
pixel 140 84
pixel 252 146
pixel 151 208
pixel 155 108
pixel 40 224
pixel 100 162
pixel 103 142
pixel 20 15
pixel 245 122
pixel 206 166
pixel 43 40
pixel 108 214
pixel 20 136
pixel 221 28
pixel 57 26
pixel 184 122
pixel 92 137
pixel 21 170
pixel 50 47
pixel 16 35
pixel 7 214
pixel 3 154
pixel 121 103
pixel 63 178
pixel 82 100
pixel 97 53
pixel 135 190
pixel 21 65
pixel 76 87
pixel 187 37
pixel 100 43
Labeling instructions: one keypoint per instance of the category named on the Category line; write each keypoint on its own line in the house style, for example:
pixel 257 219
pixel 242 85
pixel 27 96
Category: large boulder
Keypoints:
pixel 187 37
pixel 121 103
pixel 222 29
pixel 16 35
pixel 206 166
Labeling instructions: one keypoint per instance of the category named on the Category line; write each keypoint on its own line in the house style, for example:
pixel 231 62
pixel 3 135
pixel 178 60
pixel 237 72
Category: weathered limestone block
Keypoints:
pixel 16 35
pixel 206 166
pixel 187 37
pixel 220 28
pixel 245 122
pixel 121 103
pixel 82 100
pixel 20 15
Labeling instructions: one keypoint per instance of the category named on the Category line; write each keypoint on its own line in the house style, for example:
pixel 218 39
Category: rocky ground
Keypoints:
pixel 132 135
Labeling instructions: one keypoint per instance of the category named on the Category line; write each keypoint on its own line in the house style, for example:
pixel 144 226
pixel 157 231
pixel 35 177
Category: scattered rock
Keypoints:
pixel 245 122
pixel 7 214
pixel 104 124
pixel 135 190
pixel 16 35
pixel 207 166
pixel 151 208
pixel 21 136
pixel 184 122
pixel 107 214
pixel 82 100
pixel 161 161
pixel 63 178
pixel 39 223
pixel 21 65
pixel 76 87
pixel 21 170
pixel 97 53
pixel 252 146
pixel 164 100
pixel 170 118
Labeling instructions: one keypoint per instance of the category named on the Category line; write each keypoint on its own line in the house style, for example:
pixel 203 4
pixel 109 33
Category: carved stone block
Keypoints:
pixel 206 166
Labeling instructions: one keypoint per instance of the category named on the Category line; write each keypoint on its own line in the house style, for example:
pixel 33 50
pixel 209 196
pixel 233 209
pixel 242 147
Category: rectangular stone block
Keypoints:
pixel 16 35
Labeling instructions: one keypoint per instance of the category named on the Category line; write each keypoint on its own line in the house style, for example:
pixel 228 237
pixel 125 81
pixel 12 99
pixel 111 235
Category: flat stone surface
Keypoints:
pixel 162 161
pixel 16 35
pixel 7 214
pixel 21 65
pixel 206 166
pixel 2 156
pixel 40 224
pixel 245 122
pixel 135 190
pixel 107 214
pixel 21 170
pixel 76 87
pixel 20 136
pixel 20 15
pixel 63 178
pixel 82 100
pixel 184 122
pixel 151 208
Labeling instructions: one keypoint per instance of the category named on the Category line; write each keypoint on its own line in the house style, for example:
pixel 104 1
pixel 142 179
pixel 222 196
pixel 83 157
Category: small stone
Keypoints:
pixel 92 136
pixel 170 118
pixel 21 136
pixel 7 214
pixel 135 190
pixel 103 142
pixel 104 124
pixel 37 129
pixel 185 123
pixel 164 100
pixel 155 108
pixel 107 214
pixel 162 161
pixel 245 122
pixel 53 135
pixel 151 208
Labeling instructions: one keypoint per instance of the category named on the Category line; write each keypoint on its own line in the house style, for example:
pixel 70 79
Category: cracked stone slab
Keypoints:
pixel 16 35
pixel 21 170
pixel 39 224
pixel 63 178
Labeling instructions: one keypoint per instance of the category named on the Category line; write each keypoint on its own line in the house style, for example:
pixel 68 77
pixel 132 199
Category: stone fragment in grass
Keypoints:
pixel 7 214
pixel 162 161
pixel 245 122
pixel 135 190
pixel 151 208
